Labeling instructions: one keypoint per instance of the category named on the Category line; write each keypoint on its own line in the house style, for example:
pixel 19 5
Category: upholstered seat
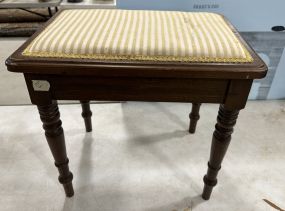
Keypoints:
pixel 139 35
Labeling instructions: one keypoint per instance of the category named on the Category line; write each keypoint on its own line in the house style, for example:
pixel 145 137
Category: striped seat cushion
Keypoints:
pixel 139 35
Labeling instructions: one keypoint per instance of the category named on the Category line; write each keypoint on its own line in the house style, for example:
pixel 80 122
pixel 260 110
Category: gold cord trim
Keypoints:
pixel 247 59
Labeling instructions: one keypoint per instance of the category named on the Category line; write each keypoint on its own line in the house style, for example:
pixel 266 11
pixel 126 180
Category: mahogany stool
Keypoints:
pixel 138 56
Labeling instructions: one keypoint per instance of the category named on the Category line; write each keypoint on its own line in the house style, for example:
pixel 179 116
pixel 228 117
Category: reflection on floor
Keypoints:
pixel 140 157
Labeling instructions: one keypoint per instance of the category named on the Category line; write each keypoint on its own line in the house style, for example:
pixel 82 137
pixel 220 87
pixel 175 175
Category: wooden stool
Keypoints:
pixel 138 56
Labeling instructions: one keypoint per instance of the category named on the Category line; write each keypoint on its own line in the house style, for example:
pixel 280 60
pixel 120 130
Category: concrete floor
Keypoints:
pixel 140 157
pixel 12 86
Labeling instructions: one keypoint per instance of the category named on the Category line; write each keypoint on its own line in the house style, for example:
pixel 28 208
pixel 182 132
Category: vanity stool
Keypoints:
pixel 121 55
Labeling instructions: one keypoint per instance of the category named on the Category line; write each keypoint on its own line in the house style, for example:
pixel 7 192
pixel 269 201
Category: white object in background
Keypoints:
pixel 89 4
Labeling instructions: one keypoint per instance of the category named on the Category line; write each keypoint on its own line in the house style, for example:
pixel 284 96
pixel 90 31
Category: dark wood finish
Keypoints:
pixel 227 84
pixel 54 134
pixel 140 89
pixel 86 114
pixel 221 139
pixel 194 117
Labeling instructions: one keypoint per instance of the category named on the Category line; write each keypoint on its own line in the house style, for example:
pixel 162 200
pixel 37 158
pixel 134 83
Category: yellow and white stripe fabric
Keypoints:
pixel 139 35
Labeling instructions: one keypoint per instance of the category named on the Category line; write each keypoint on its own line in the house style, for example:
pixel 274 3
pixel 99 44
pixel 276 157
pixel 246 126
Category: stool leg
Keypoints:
pixel 221 138
pixel 194 117
pixel 86 114
pixel 50 118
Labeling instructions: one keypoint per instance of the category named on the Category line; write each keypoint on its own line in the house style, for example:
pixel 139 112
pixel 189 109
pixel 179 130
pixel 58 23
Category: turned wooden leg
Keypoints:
pixel 221 138
pixel 86 114
pixel 50 117
pixel 194 117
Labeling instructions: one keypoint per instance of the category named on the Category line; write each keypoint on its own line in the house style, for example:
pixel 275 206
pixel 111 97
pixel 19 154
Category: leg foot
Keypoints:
pixel 194 117
pixel 86 114
pixel 68 188
pixel 221 138
pixel 50 117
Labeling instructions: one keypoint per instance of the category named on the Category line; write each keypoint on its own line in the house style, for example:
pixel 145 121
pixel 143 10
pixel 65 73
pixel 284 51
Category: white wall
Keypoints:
pixel 246 15
pixel 277 89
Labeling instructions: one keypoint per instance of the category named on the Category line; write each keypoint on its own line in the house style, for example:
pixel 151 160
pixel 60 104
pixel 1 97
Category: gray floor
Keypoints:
pixel 12 85
pixel 140 157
